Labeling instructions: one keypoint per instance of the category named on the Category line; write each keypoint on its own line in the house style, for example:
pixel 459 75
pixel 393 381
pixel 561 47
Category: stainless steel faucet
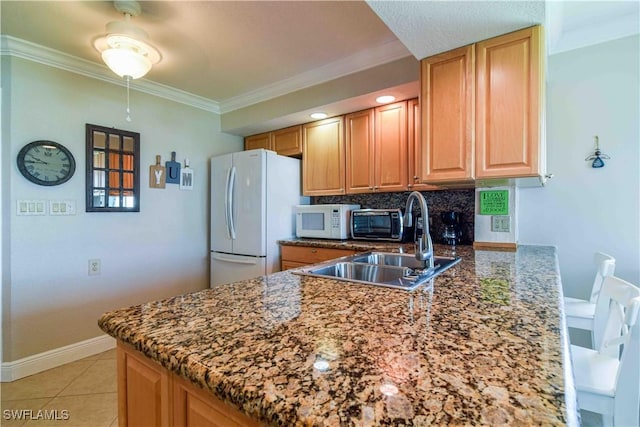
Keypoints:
pixel 424 245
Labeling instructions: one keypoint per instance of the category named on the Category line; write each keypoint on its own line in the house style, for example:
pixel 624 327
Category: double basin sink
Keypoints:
pixel 388 269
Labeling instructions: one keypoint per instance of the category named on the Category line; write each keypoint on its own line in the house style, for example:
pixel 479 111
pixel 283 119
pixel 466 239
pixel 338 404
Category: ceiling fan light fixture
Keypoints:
pixel 126 62
pixel 125 48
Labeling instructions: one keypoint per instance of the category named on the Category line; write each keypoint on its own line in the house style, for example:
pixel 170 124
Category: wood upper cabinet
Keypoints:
pixel 360 151
pixel 262 140
pixel 481 110
pixel 377 149
pixel 414 140
pixel 447 116
pixel 286 142
pixel 391 147
pixel 509 100
pixel 323 162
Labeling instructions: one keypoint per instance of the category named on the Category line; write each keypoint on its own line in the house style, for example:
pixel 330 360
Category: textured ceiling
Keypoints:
pixel 430 27
pixel 238 54
pixel 215 49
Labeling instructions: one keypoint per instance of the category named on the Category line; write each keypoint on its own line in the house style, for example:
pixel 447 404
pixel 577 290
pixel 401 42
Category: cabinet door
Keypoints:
pixel 360 151
pixel 304 255
pixel 391 149
pixel 144 391
pixel 287 265
pixel 447 116
pixel 414 141
pixel 262 140
pixel 323 162
pixel 195 408
pixel 508 105
pixel 288 141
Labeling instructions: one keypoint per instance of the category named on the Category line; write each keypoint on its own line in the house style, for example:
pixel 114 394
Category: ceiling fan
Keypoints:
pixel 126 48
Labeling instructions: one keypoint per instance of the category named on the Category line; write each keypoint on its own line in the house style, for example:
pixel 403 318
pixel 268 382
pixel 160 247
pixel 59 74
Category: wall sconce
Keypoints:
pixel 125 48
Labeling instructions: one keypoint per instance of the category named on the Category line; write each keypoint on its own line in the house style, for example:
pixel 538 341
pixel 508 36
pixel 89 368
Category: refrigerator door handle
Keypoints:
pixel 230 192
pixel 221 257
pixel 226 204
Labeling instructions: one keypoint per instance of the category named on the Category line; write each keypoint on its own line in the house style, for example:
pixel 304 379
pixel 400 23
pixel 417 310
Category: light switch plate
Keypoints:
pixel 62 207
pixel 31 207
pixel 501 223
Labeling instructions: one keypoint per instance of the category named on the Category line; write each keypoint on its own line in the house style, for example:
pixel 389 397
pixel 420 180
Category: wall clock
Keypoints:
pixel 46 163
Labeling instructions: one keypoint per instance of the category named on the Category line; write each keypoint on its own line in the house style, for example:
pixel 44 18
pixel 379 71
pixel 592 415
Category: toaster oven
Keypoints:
pixel 377 224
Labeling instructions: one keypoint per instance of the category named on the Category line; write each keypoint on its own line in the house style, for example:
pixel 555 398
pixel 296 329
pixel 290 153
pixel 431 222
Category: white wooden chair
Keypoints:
pixel 607 379
pixel 579 312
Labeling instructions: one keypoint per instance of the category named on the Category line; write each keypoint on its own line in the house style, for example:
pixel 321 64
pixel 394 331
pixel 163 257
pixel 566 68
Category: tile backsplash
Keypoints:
pixel 461 201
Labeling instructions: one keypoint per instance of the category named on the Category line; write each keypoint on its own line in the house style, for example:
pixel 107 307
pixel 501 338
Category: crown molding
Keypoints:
pixel 19 48
pixel 600 32
pixel 360 61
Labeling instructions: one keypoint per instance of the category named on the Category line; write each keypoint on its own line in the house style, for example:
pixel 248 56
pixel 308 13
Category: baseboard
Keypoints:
pixel 30 365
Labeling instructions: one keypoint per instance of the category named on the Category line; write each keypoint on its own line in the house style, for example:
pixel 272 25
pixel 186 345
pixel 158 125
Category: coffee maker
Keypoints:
pixel 451 234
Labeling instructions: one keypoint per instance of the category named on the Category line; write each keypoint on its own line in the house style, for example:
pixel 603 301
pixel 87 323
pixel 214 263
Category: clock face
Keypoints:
pixel 46 163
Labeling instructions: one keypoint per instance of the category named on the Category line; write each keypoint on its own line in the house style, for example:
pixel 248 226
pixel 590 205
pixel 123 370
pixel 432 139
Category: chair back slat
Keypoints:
pixel 606 266
pixel 627 401
pixel 614 314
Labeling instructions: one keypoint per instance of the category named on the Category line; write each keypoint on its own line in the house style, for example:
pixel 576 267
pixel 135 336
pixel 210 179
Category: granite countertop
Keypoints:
pixel 484 345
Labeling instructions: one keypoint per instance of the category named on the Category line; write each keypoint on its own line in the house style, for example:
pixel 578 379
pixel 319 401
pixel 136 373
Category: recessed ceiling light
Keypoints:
pixel 385 99
pixel 319 115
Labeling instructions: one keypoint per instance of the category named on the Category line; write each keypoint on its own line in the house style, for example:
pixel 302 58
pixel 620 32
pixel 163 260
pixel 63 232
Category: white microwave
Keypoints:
pixel 323 221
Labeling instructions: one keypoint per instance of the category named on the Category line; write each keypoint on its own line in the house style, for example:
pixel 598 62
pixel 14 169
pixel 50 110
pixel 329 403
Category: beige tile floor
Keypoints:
pixel 79 394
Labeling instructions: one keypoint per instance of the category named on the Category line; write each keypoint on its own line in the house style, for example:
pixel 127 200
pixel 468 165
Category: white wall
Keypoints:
pixel 590 91
pixel 159 252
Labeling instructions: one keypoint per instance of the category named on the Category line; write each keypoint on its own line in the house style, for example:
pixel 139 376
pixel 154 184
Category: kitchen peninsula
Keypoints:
pixel 485 345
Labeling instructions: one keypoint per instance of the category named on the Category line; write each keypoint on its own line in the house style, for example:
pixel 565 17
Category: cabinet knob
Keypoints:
pixel 409 185
pixel 313 251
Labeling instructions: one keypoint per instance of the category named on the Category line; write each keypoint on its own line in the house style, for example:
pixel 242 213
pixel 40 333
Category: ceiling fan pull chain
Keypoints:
pixel 128 78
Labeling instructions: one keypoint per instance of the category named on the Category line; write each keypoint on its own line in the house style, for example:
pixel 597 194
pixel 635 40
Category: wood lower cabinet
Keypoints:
pixel 298 256
pixel 195 408
pixel 149 395
pixel 144 391
pixel 323 163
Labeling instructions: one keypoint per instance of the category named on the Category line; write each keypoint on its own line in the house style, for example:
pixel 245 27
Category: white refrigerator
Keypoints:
pixel 252 197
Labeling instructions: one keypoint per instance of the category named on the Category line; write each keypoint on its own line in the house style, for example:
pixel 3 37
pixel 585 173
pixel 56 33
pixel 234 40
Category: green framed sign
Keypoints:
pixel 494 202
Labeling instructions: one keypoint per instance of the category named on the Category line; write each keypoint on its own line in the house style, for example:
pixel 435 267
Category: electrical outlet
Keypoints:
pixel 94 267
pixel 501 223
